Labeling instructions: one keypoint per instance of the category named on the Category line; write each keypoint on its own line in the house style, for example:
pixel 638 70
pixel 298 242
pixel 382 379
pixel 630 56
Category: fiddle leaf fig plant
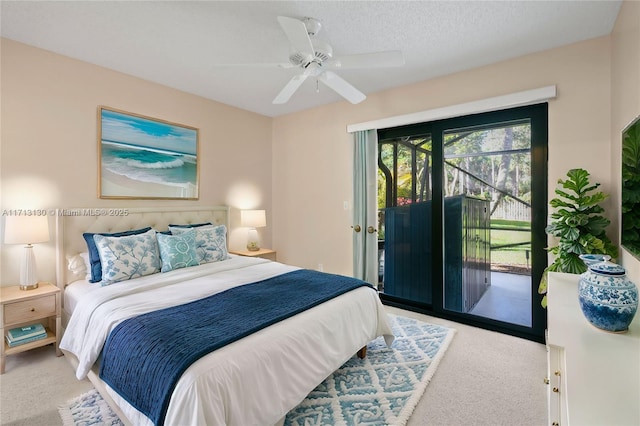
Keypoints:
pixel 578 225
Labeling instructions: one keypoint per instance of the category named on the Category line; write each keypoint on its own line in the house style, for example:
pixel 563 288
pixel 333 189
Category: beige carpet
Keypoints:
pixel 485 378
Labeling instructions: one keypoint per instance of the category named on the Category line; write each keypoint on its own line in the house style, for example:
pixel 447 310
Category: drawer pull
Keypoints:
pixel 546 380
pixel 557 373
pixel 555 424
pixel 33 309
pixel 556 390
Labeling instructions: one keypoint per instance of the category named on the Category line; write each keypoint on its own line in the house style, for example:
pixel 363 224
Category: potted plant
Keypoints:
pixel 578 225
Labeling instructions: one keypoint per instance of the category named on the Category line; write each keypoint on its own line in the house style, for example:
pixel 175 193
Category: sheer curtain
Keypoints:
pixel 365 209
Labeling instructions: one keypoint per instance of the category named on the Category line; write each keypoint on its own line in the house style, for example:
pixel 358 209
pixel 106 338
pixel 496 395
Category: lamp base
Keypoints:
pixel 253 242
pixel 29 287
pixel 28 280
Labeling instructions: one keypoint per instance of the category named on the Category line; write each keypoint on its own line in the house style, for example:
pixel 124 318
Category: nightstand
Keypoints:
pixel 25 307
pixel 263 253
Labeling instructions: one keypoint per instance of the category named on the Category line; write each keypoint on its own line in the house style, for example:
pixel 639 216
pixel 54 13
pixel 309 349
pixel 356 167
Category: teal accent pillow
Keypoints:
pixel 127 257
pixel 178 251
pixel 211 242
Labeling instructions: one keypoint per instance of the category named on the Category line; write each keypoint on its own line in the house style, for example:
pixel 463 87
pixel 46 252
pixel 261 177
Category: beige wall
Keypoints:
pixel 625 98
pixel 49 109
pixel 49 142
pixel 312 152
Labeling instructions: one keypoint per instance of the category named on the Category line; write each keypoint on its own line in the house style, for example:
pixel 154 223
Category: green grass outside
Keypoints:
pixel 518 231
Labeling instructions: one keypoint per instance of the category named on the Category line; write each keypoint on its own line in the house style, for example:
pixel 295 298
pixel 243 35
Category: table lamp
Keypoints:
pixel 253 219
pixel 27 230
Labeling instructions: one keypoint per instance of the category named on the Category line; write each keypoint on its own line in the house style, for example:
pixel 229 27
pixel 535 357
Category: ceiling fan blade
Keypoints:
pixel 341 87
pixel 284 65
pixel 297 34
pixel 290 88
pixel 390 58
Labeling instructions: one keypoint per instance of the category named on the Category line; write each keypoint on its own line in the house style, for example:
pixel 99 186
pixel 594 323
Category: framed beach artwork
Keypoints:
pixel 142 157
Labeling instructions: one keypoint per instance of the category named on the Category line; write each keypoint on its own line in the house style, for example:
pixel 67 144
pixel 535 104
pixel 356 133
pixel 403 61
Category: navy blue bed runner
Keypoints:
pixel 144 356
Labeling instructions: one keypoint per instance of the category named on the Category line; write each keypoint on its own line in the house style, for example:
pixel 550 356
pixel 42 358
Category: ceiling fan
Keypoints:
pixel 315 58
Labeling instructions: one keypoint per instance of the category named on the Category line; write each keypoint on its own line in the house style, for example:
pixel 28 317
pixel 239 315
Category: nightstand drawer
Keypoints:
pixel 27 310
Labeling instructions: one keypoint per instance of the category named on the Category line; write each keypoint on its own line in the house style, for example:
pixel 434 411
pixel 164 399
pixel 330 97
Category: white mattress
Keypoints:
pixel 256 380
pixel 76 291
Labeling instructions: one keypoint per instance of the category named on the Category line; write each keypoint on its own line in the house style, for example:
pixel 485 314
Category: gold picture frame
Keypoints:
pixel 141 157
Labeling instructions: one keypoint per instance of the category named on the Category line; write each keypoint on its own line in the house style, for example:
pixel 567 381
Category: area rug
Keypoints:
pixel 88 409
pixel 382 389
pixel 385 387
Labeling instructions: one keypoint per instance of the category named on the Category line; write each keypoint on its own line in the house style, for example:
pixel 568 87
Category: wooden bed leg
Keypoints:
pixel 362 353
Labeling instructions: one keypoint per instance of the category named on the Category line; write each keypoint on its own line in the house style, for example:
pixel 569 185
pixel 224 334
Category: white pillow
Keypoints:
pixel 80 265
pixel 127 257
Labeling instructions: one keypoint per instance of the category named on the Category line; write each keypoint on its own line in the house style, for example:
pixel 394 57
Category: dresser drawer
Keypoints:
pixel 27 310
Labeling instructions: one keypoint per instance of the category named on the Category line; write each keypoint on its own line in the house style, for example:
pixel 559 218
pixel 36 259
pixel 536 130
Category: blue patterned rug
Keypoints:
pixel 385 387
pixel 382 389
pixel 88 409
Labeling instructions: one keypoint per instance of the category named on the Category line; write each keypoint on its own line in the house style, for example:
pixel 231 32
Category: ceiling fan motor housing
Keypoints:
pixel 322 52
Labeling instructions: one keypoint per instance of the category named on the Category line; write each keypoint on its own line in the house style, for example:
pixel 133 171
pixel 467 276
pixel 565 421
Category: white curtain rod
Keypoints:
pixel 512 100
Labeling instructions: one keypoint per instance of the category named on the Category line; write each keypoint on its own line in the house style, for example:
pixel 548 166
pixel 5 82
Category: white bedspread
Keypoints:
pixel 254 381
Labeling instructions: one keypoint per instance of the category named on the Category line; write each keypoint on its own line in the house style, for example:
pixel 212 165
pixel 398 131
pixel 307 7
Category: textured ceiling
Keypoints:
pixel 182 44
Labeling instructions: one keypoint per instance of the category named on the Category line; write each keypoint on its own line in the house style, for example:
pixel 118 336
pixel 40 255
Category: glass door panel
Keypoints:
pixel 487 222
pixel 404 213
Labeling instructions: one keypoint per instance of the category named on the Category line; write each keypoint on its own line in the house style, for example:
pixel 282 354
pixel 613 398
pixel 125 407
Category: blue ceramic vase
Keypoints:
pixel 607 298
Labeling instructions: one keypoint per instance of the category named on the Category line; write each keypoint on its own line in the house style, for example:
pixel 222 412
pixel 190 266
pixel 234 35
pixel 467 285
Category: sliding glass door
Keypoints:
pixel 404 194
pixel 462 211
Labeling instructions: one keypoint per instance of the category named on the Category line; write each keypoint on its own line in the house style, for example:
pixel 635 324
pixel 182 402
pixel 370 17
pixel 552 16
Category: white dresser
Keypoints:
pixel 593 375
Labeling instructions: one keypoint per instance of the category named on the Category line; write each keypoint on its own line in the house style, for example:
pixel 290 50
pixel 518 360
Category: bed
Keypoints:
pixel 254 379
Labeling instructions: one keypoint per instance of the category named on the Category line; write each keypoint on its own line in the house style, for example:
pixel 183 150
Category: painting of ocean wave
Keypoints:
pixel 142 157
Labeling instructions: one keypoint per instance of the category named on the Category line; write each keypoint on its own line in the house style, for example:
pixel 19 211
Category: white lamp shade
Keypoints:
pixel 26 229
pixel 253 218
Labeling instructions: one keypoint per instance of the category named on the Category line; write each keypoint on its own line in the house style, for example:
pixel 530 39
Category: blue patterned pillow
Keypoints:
pixel 127 257
pixel 178 251
pixel 94 256
pixel 211 242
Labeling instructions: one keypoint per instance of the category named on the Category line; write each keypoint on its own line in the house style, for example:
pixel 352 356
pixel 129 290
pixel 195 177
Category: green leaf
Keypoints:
pixel 597 225
pixel 578 180
pixel 556 203
pixel 542 287
pixel 570 234
pixel 573 265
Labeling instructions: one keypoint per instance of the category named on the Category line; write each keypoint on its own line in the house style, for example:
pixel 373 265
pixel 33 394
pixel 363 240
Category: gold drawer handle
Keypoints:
pixel 556 390
pixel 546 380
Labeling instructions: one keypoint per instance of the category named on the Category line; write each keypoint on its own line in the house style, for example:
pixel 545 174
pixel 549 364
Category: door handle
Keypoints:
pixel 357 228
pixel 371 229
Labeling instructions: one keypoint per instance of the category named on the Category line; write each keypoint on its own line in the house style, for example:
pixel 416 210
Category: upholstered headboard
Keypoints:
pixel 72 223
